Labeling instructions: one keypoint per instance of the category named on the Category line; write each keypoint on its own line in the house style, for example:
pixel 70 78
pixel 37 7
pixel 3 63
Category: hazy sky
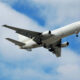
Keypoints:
pixel 40 64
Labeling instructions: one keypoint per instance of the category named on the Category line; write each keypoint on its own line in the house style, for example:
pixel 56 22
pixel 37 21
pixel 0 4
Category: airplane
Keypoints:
pixel 51 40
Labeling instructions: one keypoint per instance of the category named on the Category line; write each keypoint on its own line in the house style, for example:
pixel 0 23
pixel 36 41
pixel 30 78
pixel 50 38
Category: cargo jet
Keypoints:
pixel 51 40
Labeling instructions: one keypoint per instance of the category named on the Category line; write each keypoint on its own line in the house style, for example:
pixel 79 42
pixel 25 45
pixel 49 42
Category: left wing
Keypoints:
pixel 57 51
pixel 55 48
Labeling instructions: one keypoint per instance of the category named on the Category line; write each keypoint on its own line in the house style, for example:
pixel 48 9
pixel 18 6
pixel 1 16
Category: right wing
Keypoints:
pixel 36 36
pixel 27 33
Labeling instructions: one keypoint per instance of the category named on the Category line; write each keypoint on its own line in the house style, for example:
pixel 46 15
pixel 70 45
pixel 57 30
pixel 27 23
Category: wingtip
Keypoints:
pixel 10 27
pixel 7 38
pixel 4 25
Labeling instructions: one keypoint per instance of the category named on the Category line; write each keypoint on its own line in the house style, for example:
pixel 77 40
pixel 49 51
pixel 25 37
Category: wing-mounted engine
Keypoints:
pixel 65 44
pixel 42 36
pixel 46 33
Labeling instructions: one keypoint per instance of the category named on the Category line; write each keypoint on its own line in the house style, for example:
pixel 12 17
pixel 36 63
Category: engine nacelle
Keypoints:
pixel 46 33
pixel 65 44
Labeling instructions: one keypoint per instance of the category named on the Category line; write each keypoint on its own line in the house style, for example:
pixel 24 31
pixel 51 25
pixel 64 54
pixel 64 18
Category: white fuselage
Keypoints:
pixel 60 33
pixel 65 31
pixel 30 44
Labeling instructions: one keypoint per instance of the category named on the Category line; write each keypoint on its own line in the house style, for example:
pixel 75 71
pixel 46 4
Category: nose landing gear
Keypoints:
pixel 77 35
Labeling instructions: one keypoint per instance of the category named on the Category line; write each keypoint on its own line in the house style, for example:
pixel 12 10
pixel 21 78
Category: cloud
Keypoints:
pixel 58 12
pixel 10 2
pixel 69 67
pixel 55 13
pixel 59 69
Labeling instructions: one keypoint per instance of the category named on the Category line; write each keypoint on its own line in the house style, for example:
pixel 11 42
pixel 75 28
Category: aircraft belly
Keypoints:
pixel 31 44
pixel 50 40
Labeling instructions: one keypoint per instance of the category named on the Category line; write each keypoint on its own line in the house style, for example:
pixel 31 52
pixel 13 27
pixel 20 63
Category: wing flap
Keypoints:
pixel 15 42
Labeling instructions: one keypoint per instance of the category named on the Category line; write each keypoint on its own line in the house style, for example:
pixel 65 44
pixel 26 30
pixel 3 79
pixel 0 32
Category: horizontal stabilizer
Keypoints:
pixel 15 42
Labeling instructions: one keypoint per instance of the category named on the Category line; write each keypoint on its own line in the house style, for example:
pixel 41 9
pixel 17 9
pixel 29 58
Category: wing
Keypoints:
pixel 57 51
pixel 55 48
pixel 30 34
pixel 36 36
pixel 15 42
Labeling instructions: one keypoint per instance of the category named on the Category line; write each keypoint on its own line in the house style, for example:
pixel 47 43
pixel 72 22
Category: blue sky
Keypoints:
pixel 29 10
pixel 38 15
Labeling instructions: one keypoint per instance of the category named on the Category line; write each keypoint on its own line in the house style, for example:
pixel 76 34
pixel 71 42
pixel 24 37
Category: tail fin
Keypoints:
pixel 15 42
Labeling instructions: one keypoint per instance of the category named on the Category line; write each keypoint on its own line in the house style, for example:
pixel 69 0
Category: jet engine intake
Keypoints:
pixel 65 44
